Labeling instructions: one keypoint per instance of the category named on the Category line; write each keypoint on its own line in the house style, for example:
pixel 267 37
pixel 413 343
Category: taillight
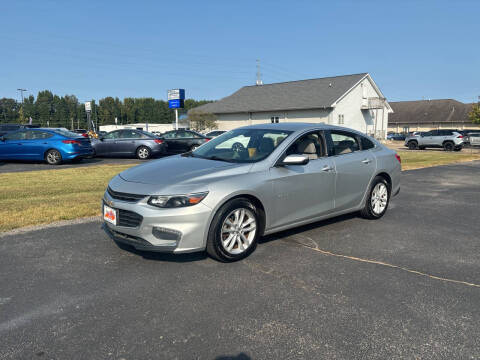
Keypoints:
pixel 207 139
pixel 85 135
pixel 71 142
pixel 460 137
pixel 158 141
pixel 398 158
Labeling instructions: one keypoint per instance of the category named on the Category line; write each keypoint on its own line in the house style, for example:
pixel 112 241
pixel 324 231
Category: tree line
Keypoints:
pixel 48 109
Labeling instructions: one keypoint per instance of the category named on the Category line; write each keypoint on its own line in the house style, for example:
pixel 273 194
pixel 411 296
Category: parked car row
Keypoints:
pixel 58 145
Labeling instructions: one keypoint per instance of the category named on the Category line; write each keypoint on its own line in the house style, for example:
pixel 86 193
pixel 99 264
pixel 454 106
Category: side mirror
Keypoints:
pixel 295 160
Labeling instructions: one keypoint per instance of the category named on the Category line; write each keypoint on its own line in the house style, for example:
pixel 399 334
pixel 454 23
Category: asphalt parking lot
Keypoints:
pixel 20 166
pixel 405 286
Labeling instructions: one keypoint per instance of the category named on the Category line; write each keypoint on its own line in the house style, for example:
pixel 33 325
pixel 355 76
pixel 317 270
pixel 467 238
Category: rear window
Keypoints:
pixel 66 133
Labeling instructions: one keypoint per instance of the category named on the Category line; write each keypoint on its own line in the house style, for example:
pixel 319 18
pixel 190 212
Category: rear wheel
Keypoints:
pixel 378 198
pixel 53 157
pixel 234 231
pixel 143 153
pixel 448 146
pixel 412 145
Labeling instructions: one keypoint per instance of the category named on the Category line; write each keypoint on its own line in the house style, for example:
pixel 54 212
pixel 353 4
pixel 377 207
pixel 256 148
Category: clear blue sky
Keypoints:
pixel 93 49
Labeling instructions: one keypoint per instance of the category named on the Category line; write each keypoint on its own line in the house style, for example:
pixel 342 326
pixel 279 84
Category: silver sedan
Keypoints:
pixel 249 182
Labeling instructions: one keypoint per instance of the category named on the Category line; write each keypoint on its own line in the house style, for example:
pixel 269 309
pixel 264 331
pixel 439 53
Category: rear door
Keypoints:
pixel 36 144
pixel 127 142
pixel 354 168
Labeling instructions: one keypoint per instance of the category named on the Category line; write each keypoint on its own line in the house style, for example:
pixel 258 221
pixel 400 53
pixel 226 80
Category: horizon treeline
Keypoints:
pixel 48 109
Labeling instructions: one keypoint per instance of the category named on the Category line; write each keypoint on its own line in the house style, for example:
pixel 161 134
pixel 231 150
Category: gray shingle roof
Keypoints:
pixel 302 94
pixel 429 111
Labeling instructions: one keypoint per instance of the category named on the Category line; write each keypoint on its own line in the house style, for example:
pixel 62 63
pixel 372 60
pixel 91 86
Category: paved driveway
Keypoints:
pixel 406 286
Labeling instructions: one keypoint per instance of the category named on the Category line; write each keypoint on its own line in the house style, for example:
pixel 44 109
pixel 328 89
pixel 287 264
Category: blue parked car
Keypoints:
pixel 51 145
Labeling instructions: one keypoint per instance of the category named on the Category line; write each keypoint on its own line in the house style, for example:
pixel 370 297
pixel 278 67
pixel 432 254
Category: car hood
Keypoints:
pixel 178 171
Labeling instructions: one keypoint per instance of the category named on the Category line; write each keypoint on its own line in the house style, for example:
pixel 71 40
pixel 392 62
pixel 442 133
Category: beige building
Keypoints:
pixel 353 101
pixel 424 115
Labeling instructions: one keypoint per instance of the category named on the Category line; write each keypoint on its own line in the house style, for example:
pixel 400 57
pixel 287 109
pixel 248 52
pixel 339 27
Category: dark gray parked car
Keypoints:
pixel 128 142
pixel 180 141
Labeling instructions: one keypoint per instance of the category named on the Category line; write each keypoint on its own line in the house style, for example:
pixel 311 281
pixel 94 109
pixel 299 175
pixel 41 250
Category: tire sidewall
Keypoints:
pixel 214 237
pixel 372 213
pixel 149 153
pixel 412 145
pixel 448 146
pixel 59 157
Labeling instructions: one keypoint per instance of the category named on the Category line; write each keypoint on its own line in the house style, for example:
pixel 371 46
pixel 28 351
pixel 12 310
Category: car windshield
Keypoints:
pixel 242 145
pixel 66 133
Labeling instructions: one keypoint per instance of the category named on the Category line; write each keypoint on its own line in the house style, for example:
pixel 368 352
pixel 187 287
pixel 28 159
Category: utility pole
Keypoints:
pixel 21 93
pixel 259 75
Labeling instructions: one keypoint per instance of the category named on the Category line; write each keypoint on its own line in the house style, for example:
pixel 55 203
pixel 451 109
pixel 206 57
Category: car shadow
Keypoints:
pixel 307 227
pixel 241 356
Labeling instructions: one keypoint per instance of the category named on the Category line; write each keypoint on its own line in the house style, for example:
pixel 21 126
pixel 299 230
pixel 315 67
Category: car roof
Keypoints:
pixel 299 126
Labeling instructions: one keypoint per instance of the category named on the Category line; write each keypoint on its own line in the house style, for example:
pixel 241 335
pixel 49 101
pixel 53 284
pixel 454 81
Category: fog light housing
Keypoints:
pixel 166 234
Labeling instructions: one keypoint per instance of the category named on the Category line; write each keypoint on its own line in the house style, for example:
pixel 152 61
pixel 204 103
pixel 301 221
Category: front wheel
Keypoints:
pixel 234 231
pixel 53 157
pixel 143 153
pixel 378 198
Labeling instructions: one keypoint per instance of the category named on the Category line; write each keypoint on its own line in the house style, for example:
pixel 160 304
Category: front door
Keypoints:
pixel 306 191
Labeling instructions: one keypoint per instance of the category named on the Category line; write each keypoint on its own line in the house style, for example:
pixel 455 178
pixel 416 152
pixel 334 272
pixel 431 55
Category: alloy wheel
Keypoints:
pixel 53 157
pixel 143 153
pixel 379 198
pixel 238 231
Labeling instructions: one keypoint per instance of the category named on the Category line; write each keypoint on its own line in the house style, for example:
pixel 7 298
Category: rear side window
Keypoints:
pixel 130 134
pixel 33 135
pixel 366 143
pixel 343 143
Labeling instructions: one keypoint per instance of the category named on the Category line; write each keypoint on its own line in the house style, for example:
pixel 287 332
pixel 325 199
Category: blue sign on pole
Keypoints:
pixel 175 104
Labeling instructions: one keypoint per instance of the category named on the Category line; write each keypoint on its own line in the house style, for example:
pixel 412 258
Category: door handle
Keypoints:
pixel 327 168
pixel 366 161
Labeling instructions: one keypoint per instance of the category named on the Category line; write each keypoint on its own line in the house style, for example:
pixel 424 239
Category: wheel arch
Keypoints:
pixel 245 195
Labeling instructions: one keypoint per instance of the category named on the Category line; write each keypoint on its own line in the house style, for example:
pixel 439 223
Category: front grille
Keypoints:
pixel 133 198
pixel 129 218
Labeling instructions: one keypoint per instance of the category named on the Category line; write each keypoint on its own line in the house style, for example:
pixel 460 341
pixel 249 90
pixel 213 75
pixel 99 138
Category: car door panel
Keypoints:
pixel 354 172
pixel 303 191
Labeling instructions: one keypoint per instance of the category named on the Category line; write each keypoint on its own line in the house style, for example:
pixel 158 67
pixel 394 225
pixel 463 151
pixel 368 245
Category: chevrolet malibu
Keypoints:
pixel 249 182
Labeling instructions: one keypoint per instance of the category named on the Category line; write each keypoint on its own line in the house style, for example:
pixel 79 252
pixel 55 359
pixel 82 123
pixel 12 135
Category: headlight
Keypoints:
pixel 175 201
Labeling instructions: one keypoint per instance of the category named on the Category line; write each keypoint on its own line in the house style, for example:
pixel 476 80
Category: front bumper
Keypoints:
pixel 188 224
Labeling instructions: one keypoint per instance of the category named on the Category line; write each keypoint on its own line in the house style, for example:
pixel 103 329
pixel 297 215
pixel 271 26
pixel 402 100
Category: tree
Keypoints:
pixel 474 114
pixel 201 121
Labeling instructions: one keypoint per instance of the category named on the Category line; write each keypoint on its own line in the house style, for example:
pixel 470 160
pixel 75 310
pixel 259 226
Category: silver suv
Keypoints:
pixel 449 140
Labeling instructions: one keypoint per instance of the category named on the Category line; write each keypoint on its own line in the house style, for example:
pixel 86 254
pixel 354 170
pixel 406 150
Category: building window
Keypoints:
pixel 274 119
pixel 341 119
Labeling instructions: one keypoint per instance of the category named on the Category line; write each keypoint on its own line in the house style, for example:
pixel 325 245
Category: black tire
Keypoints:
pixel 215 247
pixel 458 148
pixel 77 160
pixel 53 157
pixel 143 153
pixel 448 146
pixel 368 211
pixel 412 145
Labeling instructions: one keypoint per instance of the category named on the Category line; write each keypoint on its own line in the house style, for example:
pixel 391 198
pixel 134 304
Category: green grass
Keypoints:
pixel 420 159
pixel 40 197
